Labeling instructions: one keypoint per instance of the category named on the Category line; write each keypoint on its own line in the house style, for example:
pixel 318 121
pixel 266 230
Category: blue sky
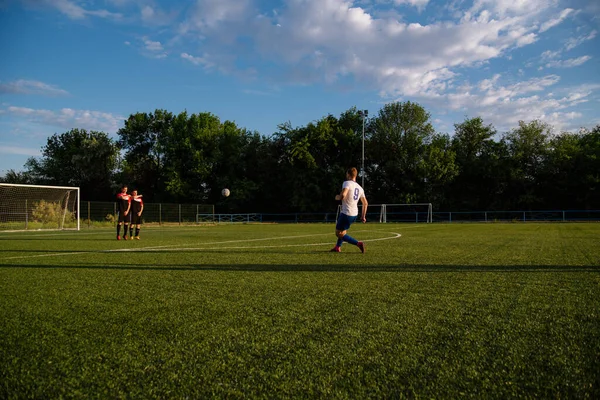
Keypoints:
pixel 90 64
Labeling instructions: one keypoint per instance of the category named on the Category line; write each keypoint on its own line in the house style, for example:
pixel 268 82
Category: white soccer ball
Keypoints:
pixel 225 192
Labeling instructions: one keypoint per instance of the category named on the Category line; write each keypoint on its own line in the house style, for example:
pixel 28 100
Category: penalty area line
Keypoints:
pixel 210 246
pixel 396 236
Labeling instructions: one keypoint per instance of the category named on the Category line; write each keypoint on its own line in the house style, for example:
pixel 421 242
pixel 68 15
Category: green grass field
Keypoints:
pixel 265 311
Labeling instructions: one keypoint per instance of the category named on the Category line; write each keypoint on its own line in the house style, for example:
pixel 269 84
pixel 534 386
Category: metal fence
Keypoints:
pixel 517 216
pixel 93 213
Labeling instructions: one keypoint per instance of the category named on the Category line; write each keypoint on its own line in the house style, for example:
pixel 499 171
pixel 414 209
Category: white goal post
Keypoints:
pixel 384 213
pixel 36 207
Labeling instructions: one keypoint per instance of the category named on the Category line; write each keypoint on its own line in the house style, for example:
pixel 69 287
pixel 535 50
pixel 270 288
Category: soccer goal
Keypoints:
pixel 419 212
pixel 29 207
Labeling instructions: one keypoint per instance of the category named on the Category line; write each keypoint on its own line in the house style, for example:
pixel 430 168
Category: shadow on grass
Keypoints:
pixel 317 268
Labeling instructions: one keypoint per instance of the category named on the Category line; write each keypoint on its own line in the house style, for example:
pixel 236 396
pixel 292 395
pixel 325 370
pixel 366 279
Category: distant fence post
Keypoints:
pixel 179 214
pixel 160 213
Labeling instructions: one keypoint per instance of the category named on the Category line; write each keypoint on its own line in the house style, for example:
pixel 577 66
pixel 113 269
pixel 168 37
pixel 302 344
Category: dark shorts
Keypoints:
pixel 344 221
pixel 136 219
pixel 123 217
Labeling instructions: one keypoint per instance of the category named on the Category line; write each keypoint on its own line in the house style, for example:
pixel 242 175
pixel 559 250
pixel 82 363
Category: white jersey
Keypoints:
pixel 350 202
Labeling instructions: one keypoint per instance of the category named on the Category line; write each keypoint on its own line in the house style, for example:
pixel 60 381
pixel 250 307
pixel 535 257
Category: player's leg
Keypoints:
pixel 138 225
pixel 126 228
pixel 347 238
pixel 120 220
pixel 342 224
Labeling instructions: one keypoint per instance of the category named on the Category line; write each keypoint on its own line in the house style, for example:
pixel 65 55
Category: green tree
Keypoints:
pixel 398 138
pixel 143 138
pixel 314 158
pixel 77 158
pixel 18 177
pixel 475 188
pixel 528 147
pixel 440 168
pixel 572 178
pixel 590 187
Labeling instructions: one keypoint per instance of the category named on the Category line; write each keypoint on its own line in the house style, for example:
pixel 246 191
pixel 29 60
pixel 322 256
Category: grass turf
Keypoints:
pixel 263 311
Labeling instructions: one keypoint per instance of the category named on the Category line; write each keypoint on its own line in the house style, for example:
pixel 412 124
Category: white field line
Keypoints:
pixel 397 235
pixel 211 244
pixel 20 234
pixel 82 232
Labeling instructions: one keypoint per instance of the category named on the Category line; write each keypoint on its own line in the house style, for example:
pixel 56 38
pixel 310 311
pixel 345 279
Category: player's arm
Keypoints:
pixel 141 207
pixel 342 194
pixel 365 204
pixel 128 206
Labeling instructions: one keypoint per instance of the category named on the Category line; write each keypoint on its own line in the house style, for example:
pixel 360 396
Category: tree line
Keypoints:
pixel 190 158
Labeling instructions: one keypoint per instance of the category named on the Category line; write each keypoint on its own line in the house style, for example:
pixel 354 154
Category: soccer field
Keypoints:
pixel 266 311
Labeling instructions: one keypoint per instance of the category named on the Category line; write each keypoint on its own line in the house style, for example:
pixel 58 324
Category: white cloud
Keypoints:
pixel 68 118
pixel 534 84
pixel 574 42
pixel 506 8
pixel 153 49
pixel 147 13
pixel 152 14
pixel 74 11
pixel 399 58
pixel 550 55
pixel 555 21
pixel 24 86
pixel 202 61
pixel 217 15
pixel 505 105
pixel 569 63
pixel 419 4
pixel 152 46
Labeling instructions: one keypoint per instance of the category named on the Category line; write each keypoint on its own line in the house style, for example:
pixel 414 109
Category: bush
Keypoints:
pixel 51 212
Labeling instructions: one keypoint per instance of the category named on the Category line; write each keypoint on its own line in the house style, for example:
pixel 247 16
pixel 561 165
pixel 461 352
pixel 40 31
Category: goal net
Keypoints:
pixel 27 207
pixel 419 212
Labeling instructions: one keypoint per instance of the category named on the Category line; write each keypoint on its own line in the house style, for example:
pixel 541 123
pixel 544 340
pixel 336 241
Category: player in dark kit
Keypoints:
pixel 137 207
pixel 124 204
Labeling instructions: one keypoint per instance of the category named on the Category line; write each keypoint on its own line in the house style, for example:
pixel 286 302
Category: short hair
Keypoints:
pixel 123 187
pixel 352 172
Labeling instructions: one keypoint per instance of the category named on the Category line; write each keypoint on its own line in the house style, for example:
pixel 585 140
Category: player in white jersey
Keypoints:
pixel 351 193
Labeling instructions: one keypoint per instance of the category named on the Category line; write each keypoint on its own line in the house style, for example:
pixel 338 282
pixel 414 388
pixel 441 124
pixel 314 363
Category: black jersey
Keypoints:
pixel 123 202
pixel 136 204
